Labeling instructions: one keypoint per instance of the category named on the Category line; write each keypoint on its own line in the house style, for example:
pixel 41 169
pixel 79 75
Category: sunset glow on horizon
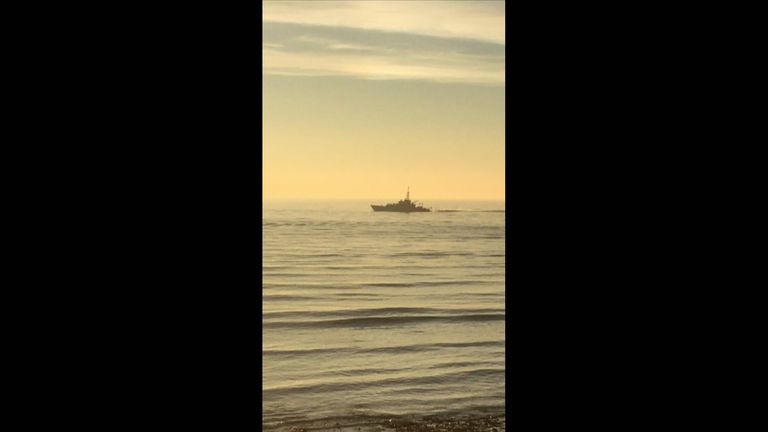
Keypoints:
pixel 364 99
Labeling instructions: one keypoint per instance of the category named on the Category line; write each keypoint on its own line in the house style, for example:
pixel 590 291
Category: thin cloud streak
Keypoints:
pixel 483 20
pixel 299 49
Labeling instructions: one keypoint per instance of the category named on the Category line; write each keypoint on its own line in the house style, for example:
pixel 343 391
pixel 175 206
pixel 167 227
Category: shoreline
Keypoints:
pixel 430 423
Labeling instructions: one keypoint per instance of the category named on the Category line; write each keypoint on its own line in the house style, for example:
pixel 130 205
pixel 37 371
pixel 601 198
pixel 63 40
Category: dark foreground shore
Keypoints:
pixel 486 423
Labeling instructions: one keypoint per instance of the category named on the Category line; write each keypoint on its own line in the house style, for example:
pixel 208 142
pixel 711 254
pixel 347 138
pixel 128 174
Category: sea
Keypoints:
pixel 377 315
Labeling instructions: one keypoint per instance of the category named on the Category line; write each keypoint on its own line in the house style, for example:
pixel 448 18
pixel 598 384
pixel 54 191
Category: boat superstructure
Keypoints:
pixel 402 206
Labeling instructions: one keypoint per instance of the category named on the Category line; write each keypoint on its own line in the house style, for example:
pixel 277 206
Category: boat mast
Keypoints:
pixel 408 194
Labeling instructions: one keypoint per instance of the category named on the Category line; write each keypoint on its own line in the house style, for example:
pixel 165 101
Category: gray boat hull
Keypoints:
pixel 398 209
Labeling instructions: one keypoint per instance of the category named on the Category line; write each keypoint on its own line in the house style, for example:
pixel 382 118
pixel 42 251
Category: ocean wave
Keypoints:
pixel 389 267
pixel 431 254
pixel 366 312
pixel 379 350
pixel 358 285
pixel 487 373
pixel 286 297
pixel 429 283
pixel 382 321
pixel 433 346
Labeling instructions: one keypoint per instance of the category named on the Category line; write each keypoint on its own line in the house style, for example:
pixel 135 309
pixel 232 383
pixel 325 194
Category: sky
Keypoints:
pixel 362 99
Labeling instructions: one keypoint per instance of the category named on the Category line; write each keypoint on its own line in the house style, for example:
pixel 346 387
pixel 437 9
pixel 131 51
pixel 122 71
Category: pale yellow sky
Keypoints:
pixel 366 107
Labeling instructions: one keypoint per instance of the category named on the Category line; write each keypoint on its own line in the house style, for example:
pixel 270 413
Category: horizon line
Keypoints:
pixel 375 198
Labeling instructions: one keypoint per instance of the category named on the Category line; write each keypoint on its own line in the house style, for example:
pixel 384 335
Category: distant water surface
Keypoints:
pixel 382 314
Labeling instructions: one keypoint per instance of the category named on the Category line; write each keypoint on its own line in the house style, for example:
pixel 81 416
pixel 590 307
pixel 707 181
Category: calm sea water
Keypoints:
pixel 382 314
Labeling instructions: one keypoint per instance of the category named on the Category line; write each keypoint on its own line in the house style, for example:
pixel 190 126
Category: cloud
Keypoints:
pixel 483 20
pixel 305 49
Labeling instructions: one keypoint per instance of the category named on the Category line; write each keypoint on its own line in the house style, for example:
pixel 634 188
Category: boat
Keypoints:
pixel 402 206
